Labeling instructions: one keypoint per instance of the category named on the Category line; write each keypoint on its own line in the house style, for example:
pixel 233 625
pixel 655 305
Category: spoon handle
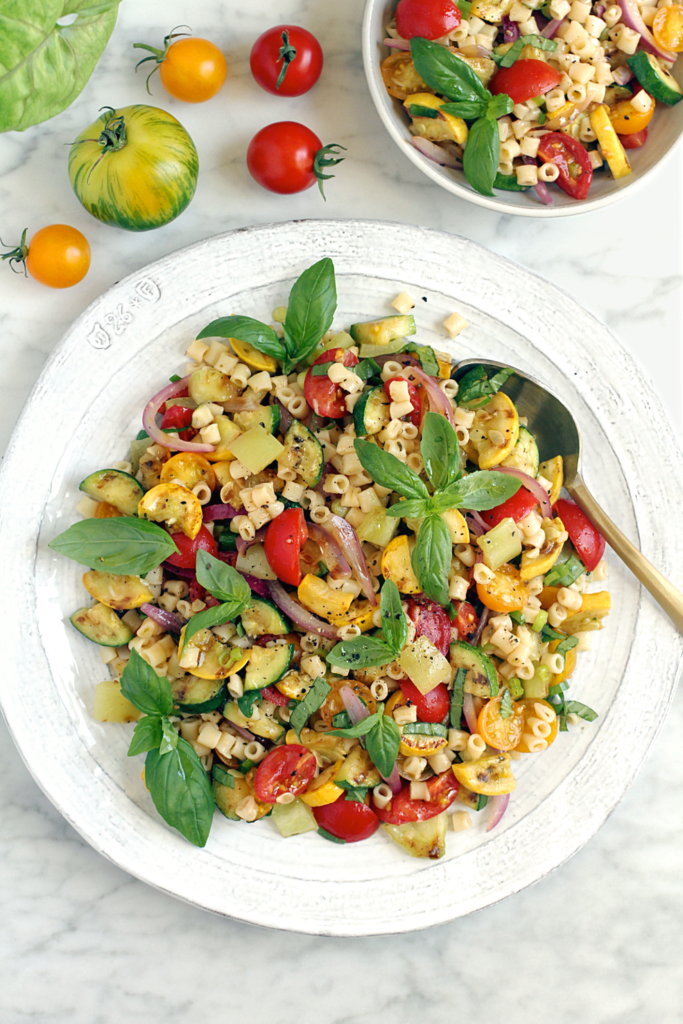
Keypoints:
pixel 664 593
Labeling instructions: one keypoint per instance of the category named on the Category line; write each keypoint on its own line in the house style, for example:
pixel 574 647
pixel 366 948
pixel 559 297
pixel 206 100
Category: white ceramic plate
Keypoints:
pixel 86 406
pixel 664 134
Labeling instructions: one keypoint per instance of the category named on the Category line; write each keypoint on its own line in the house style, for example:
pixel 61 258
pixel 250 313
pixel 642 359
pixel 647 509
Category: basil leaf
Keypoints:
pixel 426 355
pixel 311 307
pixel 246 702
pixel 215 616
pixel 328 835
pixel 125 545
pixel 222 777
pixel 357 793
pixel 518 618
pixel 482 155
pixel 146 736
pixel 361 652
pixel 386 470
pixel 366 368
pixel 416 110
pixel 468 110
pixel 361 728
pixel 245 328
pixel 448 75
pixel 382 744
pixel 508 183
pixel 566 645
pixel 320 369
pixel 415 508
pixel 440 450
pixel 314 699
pixel 394 624
pixel 457 697
pixel 484 489
pixel 548 633
pixel 140 684
pixel 342 720
pixel 169 737
pixel 566 574
pixel 222 581
pixel 542 117
pixel 575 707
pixel 181 791
pixel 506 709
pixel 499 106
pixel 431 558
pixel 444 500
pixel 425 729
pixel 464 6
pixel 513 54
pixel 476 389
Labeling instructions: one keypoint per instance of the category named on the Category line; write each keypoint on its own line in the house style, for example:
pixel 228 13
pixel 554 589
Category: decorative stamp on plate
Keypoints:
pixel 118 319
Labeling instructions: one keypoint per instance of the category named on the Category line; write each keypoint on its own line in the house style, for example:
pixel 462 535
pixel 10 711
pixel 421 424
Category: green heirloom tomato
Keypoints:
pixel 135 168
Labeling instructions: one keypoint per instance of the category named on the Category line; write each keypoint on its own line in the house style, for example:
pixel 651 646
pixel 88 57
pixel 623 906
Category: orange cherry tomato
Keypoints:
pixel 533 724
pixel 506 592
pixel 667 28
pixel 498 732
pixel 192 69
pixel 626 120
pixel 334 702
pixel 58 255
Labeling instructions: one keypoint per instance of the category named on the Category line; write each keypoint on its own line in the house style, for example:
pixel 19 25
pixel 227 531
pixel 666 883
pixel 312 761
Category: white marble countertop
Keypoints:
pixel 599 939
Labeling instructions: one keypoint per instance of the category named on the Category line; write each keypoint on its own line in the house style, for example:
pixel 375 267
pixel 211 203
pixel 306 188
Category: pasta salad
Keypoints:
pixel 520 94
pixel 332 585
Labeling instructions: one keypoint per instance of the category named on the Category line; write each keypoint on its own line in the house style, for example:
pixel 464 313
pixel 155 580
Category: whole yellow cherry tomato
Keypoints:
pixel 506 592
pixel 626 120
pixel 667 28
pixel 57 255
pixel 192 70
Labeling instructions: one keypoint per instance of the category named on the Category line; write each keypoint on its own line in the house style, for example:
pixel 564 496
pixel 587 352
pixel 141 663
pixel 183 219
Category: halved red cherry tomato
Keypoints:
pixel 285 537
pixel 517 507
pixel 431 621
pixel 430 19
pixel 413 394
pixel 572 161
pixel 349 820
pixel 589 542
pixel 525 79
pixel 286 60
pixel 432 706
pixel 287 769
pixel 466 621
pixel 324 396
pixel 187 549
pixel 176 417
pixel 274 696
pixel 634 141
pixel 443 789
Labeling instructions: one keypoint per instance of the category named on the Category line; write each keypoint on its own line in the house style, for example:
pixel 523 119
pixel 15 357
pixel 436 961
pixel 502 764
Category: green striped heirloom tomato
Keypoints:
pixel 134 168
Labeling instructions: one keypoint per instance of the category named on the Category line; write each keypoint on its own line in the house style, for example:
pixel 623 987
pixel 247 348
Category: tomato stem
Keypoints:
pixel 17 255
pixel 159 56
pixel 287 55
pixel 326 157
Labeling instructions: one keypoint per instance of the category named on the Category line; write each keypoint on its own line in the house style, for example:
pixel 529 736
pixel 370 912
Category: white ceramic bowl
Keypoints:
pixel 665 131
pixel 82 413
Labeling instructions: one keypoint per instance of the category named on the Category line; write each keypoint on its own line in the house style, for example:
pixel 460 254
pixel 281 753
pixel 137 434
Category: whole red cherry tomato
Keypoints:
pixel 443 789
pixel 187 549
pixel 525 79
pixel 288 157
pixel 286 60
pixel 432 706
pixel 285 538
pixel 431 621
pixel 414 396
pixel 517 507
pixel 177 417
pixel 589 542
pixel 324 396
pixel 349 820
pixel 430 19
pixel 466 621
pixel 287 769
pixel 572 161
pixel 634 141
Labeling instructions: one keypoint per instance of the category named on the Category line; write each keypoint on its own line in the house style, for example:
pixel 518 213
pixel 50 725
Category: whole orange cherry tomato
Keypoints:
pixel 191 69
pixel 626 120
pixel 501 733
pixel 667 28
pixel 528 708
pixel 57 255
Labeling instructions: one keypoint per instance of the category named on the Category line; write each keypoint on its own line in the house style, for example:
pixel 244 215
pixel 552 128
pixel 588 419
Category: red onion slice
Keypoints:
pixel 212 512
pixel 622 75
pixel 301 616
pixel 241 404
pixel 348 541
pixel 437 154
pixel 475 524
pixel 285 418
pixel 259 587
pixel 510 30
pixel 540 187
pixel 167 620
pixel 398 44
pixel 244 733
pixel 480 626
pixel 632 18
pixel 437 399
pixel 355 707
pixel 178 570
pixel 393 781
pixel 531 485
pixel 469 712
pixel 155 432
pixel 332 553
pixel 552 27
pixel 498 808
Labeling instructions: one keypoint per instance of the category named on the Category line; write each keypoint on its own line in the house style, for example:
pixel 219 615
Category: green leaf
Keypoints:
pixel 513 54
pixel 146 736
pixel 440 450
pixel 457 697
pixel 311 308
pixel 468 110
pixel 149 692
pixel 575 707
pixel 425 729
pixel 44 66
pixel 342 720
pixel 314 699
pixel 484 489
pixel 222 581
pixel 431 558
pixel 388 471
pixel 499 106
pixel 246 702
pixel 394 624
pixel 357 793
pixel 448 75
pixel 328 835
pixel 361 728
pixel 548 633
pixel 244 328
pixel 216 616
pixel 566 574
pixel 382 744
pixel 508 183
pixel 181 791
pixel 366 368
pixel 414 508
pixel 425 354
pixel 169 737
pixel 464 6
pixel 475 388
pixel 566 645
pixel 223 777
pixel 415 110
pixel 482 155
pixel 361 652
pixel 125 545
pixel 506 709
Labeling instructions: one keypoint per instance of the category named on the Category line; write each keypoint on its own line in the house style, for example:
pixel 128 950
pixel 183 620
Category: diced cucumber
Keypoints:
pixel 294 819
pixel 481 679
pixel 383 331
pixel 501 544
pixel 254 562
pixel 266 665
pixel 102 625
pixel 537 686
pixel 378 528
pixel 369 350
pixel 116 488
pixel 654 79
pixel 193 695
pixel 371 412
pixel 267 415
pixel 263 617
pixel 524 455
pixel 303 453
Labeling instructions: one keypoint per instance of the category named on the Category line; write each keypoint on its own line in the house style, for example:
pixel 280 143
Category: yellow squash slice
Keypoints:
pixel 495 431
pixel 119 592
pixel 173 505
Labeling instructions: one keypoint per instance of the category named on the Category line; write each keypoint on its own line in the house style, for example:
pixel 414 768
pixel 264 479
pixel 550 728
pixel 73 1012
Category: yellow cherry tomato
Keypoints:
pixel 667 28
pixel 192 70
pixel 539 725
pixel 626 120
pixel 58 255
pixel 506 592
pixel 324 789
pixel 501 733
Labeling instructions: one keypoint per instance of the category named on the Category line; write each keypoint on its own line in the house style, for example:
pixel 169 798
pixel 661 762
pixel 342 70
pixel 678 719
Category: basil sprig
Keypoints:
pixel 174 775
pixel 313 700
pixel 311 307
pixel 475 389
pixel 225 584
pixel 382 739
pixel 125 545
pixel 452 77
pixel 367 651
